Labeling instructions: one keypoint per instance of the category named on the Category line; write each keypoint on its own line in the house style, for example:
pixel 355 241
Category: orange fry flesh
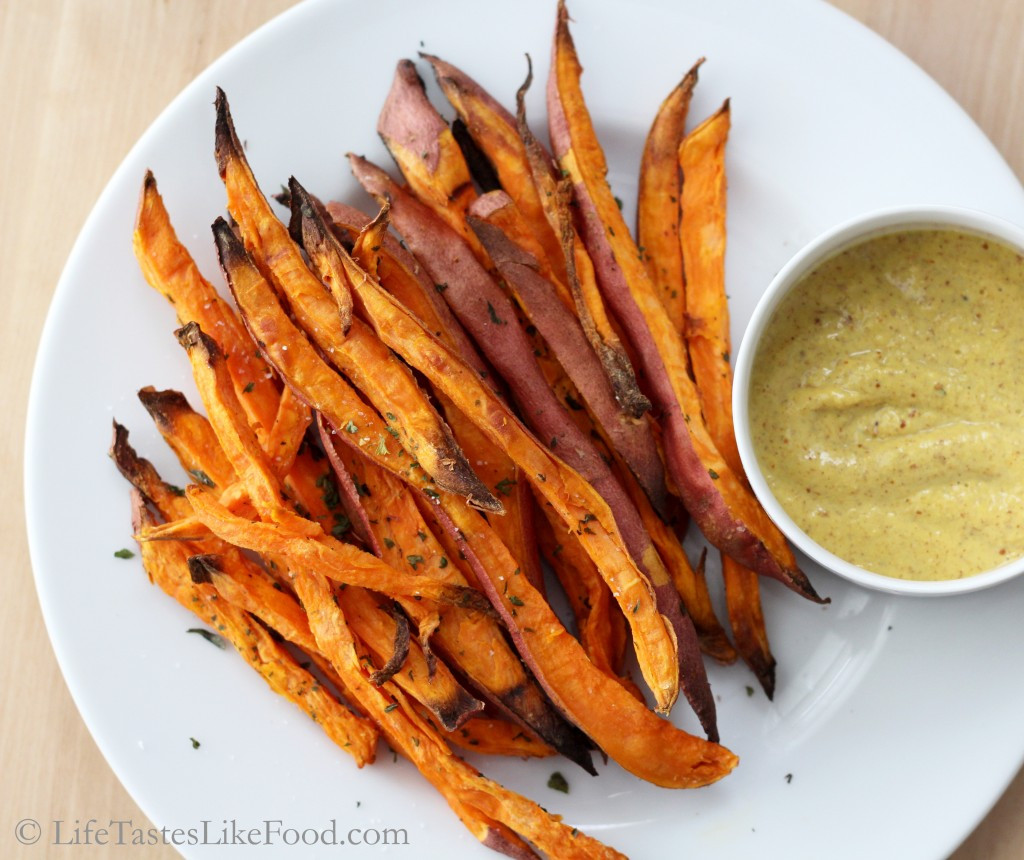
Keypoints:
pixel 702 241
pixel 576 502
pixel 657 211
pixel 348 343
pixel 715 495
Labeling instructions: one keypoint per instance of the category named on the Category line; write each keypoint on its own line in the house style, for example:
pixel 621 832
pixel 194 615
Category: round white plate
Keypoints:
pixel 896 722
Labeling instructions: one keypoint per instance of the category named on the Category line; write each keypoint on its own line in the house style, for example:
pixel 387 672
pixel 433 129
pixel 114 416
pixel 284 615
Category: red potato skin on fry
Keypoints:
pixel 703 489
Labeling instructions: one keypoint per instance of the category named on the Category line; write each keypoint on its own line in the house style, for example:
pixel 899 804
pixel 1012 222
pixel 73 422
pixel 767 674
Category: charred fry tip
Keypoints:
pixel 191 336
pixel 226 145
pixel 127 461
pixel 142 516
pixel 407 69
pixel 459 710
pixel 201 568
pixel 525 86
pixel 690 78
pixel 162 405
pixel 230 250
pixel 400 651
pixel 148 182
pixel 306 221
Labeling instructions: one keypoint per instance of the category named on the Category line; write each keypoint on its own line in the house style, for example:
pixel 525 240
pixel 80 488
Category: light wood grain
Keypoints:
pixel 81 80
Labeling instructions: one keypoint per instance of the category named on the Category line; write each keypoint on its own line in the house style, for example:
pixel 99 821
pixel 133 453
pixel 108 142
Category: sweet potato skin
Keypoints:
pixel 349 345
pixel 658 204
pixel 715 497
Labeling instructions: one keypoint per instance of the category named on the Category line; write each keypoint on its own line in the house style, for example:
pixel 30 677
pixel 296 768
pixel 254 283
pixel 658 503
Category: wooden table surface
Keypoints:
pixel 81 80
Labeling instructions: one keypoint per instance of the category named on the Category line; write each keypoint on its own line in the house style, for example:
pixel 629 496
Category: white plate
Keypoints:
pixel 898 720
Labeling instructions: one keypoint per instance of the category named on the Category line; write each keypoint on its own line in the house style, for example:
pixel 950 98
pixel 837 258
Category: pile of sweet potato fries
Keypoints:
pixel 397 433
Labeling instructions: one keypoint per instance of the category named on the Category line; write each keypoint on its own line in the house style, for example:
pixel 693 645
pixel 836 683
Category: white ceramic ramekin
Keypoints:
pixel 826 245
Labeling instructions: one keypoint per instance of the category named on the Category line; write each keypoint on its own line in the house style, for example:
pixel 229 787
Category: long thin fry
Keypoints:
pixel 724 509
pixel 702 242
pixel 349 344
pixel 577 502
pixel 167 566
pixel 657 209
pixel 170 269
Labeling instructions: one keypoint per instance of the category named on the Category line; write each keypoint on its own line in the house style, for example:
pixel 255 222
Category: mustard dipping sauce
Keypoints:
pixel 886 404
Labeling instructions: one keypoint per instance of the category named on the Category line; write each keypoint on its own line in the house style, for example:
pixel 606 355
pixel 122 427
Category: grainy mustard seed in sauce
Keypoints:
pixel 887 404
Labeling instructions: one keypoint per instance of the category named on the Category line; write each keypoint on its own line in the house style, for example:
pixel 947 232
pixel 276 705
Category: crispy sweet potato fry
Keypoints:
pixel 493 129
pixel 555 195
pixel 471 641
pixel 167 566
pixel 563 332
pixel 425 150
pixel 485 807
pixel 644 744
pixel 715 496
pixel 492 736
pixel 170 269
pixel 654 641
pixel 657 210
pixel 403 276
pixel 433 686
pixel 509 351
pixel 353 349
pixel 373 246
pixel 187 432
pixel 527 176
pixel 702 241
pixel 601 626
pixel 297 540
pixel 690 585
pixel 302 368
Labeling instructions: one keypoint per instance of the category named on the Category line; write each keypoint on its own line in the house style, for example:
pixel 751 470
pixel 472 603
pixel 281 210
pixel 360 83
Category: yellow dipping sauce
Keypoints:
pixel 887 404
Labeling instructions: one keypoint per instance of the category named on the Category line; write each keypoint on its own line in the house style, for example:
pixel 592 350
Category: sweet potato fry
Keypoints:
pixel 690 585
pixel 493 129
pixel 492 736
pixel 425 150
pixel 384 380
pixel 506 346
pixel 486 808
pixel 563 332
pixel 644 744
pixel 408 282
pixel 715 496
pixel 167 566
pixel 657 210
pixel 170 269
pixel 297 540
pixel 555 195
pixel 471 641
pixel 654 641
pixel 602 628
pixel 337 561
pixel 404 277
pixel 303 369
pixel 527 176
pixel 746 617
pixel 702 241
